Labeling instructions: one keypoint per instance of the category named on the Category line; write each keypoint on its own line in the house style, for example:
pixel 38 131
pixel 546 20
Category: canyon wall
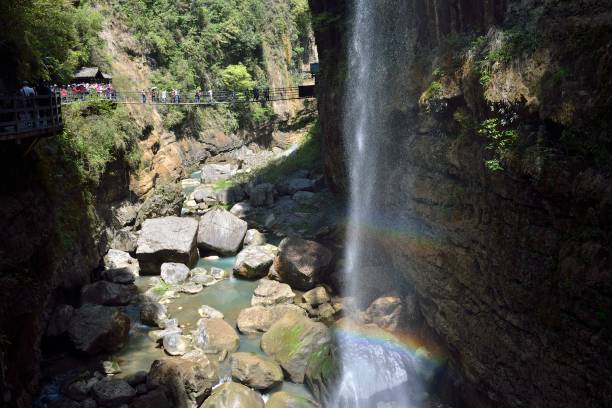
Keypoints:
pixel 498 192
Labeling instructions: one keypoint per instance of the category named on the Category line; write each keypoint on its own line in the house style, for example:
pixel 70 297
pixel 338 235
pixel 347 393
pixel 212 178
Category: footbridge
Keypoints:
pixel 27 117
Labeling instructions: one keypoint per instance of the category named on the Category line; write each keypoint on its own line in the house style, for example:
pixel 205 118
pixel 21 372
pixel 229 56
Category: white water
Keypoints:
pixel 373 373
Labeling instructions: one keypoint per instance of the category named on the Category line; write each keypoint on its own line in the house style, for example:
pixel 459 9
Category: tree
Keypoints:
pixel 237 78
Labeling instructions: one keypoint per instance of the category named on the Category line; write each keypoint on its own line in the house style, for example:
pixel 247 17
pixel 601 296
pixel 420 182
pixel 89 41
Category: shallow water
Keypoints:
pixel 229 296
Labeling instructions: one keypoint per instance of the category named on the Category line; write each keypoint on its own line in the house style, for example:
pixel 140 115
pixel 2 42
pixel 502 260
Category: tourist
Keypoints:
pixel 178 96
pixel 173 96
pixel 197 96
pixel 143 95
pixel 27 90
pixel 164 96
pixel 255 94
pixel 210 96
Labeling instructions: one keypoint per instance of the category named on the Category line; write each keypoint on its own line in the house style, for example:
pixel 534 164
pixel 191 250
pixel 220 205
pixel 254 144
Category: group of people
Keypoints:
pixel 174 96
pixel 82 90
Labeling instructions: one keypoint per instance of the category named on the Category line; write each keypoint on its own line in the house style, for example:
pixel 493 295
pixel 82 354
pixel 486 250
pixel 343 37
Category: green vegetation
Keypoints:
pixel 160 289
pixel 512 44
pixel 500 141
pixel 216 44
pixel 50 39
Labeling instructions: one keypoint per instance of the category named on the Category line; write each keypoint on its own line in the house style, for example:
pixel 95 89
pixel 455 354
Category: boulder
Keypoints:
pixel 118 276
pixel 221 231
pixel 259 319
pixel 254 262
pixel 174 273
pixel 283 399
pixel 241 209
pixel 190 183
pixel 153 399
pixel 124 214
pixel 108 293
pixel 79 390
pixel 230 195
pixel 124 240
pixel 301 263
pixel 169 239
pixel 316 296
pixel 59 320
pixel 233 395
pixel 191 288
pixel 214 172
pixel 165 201
pixel 215 336
pixel 175 344
pixel 207 312
pixel 205 194
pixel 254 238
pixel 255 371
pixel 292 340
pixel 95 329
pixel 187 383
pixel 112 392
pixel 153 313
pixel 270 292
pixel 386 312
pixel 120 260
pixel 262 195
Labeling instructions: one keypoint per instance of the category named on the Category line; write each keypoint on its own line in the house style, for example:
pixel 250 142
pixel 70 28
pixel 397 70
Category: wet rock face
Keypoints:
pixel 94 329
pixel 499 260
pixel 169 239
pixel 108 293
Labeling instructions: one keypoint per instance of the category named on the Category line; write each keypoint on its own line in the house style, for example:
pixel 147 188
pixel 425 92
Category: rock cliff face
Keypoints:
pixel 507 245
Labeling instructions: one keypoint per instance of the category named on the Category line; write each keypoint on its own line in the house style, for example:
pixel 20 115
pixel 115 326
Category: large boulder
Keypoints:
pixel 255 371
pixel 166 200
pixel 241 209
pixel 270 292
pixel 175 344
pixel 254 262
pixel 293 185
pixel 316 296
pixel 96 329
pixel 112 392
pixel 215 336
pixel 233 395
pixel 302 263
pixel 108 293
pixel 230 195
pixel 168 239
pixel 222 232
pixel 187 382
pixel 174 273
pixel 292 340
pixel 283 399
pixel 259 319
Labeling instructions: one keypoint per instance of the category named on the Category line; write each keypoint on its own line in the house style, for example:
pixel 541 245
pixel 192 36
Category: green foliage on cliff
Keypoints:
pixel 216 44
pixel 500 140
pixel 50 39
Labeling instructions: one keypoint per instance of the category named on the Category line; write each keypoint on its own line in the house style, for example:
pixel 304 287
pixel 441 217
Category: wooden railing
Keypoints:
pixel 28 116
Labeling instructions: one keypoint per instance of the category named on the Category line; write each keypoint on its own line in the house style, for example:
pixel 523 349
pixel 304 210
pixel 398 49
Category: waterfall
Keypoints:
pixel 374 372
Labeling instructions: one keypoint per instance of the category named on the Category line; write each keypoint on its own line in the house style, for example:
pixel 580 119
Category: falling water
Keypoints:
pixel 373 373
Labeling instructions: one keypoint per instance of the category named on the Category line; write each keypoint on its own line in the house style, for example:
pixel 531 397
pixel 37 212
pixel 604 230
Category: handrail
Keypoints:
pixel 25 116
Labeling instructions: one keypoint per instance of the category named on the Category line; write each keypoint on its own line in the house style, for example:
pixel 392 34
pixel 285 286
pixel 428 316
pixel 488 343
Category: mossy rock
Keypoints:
pixel 292 341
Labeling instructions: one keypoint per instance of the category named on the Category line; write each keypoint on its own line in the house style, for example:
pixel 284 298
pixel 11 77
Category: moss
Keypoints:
pixel 291 340
pixel 433 91
pixel 160 289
